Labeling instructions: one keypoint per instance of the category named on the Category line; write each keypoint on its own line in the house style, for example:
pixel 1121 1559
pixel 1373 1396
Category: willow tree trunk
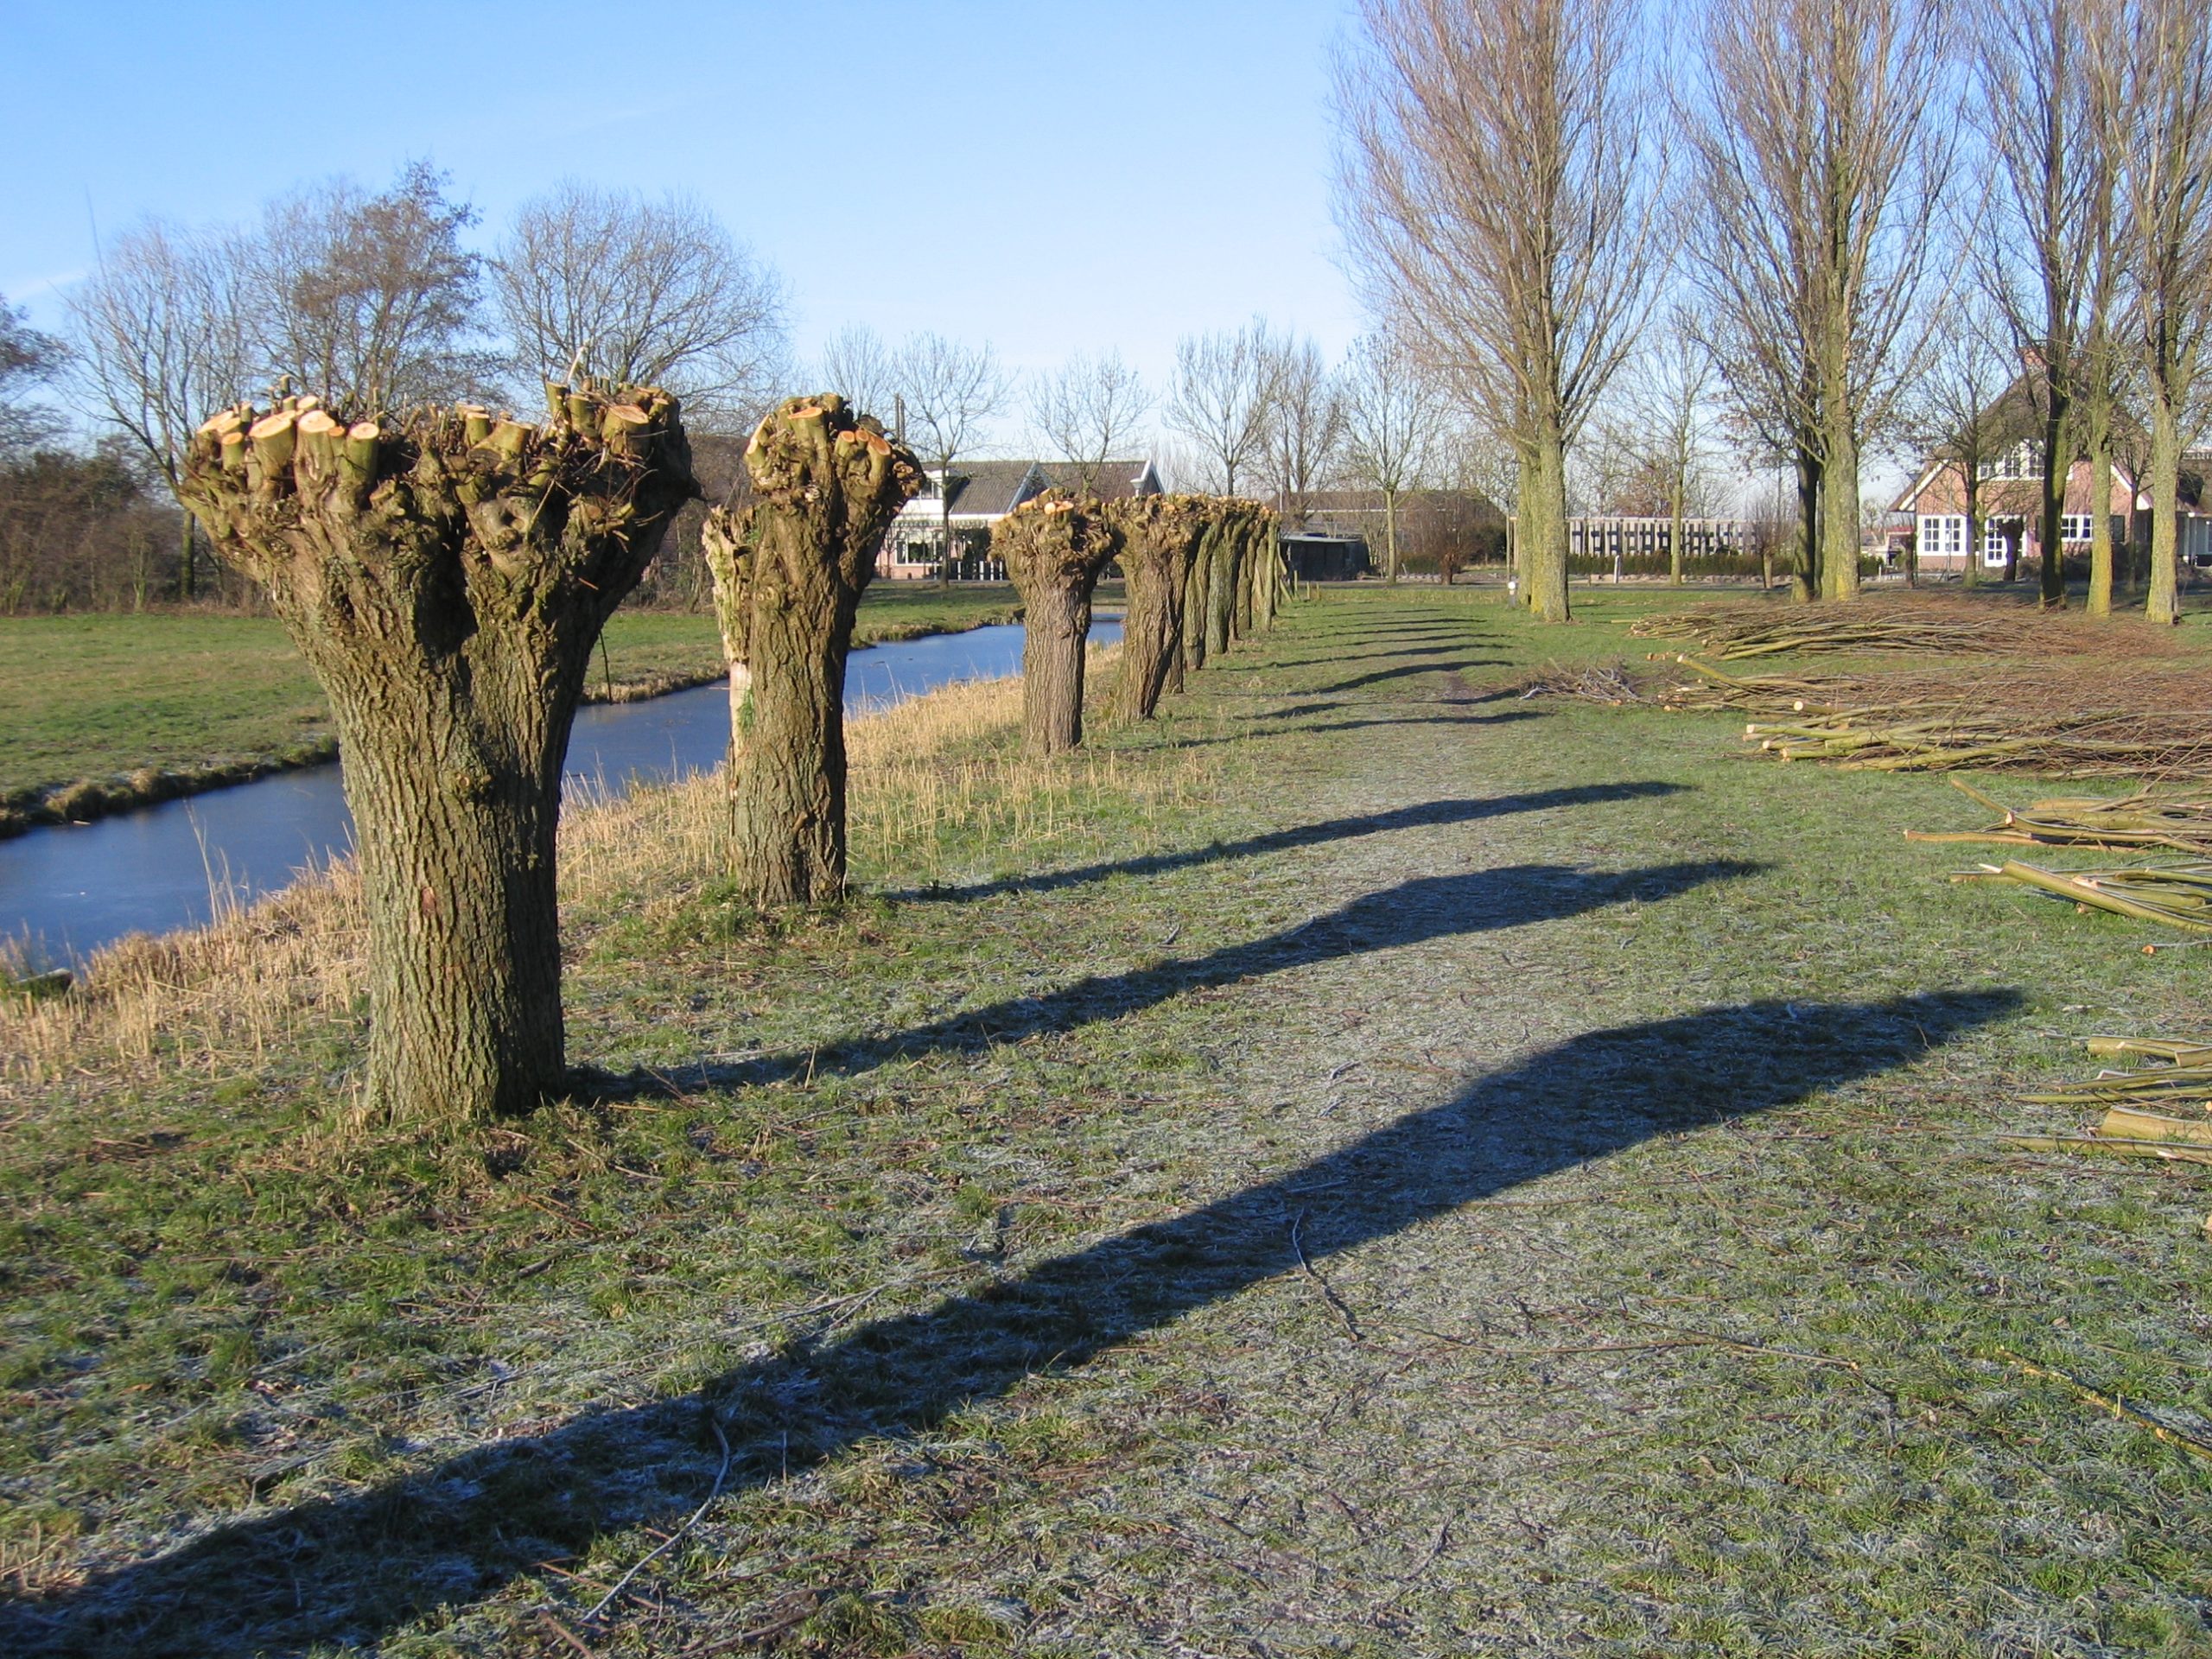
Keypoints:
pixel 1839 513
pixel 1678 524
pixel 445 581
pixel 1054 548
pixel 2058 470
pixel 1192 655
pixel 2100 600
pixel 1264 561
pixel 1223 555
pixel 1159 536
pixel 1976 527
pixel 1543 546
pixel 789 573
pixel 1805 579
pixel 2164 604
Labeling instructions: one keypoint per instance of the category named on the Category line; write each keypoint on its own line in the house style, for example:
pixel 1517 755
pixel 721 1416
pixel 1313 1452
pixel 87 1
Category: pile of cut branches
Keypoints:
pixel 2145 818
pixel 1607 682
pixel 2138 1107
pixel 1925 626
pixel 2091 721
pixel 2180 895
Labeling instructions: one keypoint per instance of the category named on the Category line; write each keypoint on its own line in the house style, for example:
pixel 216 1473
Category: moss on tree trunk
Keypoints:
pixel 789 573
pixel 1054 550
pixel 446 581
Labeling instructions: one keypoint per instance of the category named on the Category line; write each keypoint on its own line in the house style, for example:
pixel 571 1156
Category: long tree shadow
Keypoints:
pixel 1426 815
pixel 1338 659
pixel 348 1570
pixel 1264 726
pixel 1405 671
pixel 1428 907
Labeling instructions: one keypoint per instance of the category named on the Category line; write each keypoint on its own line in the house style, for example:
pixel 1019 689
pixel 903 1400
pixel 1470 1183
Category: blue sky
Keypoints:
pixel 1050 177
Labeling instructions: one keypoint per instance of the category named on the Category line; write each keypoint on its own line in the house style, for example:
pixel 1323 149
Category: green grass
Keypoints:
pixel 103 696
pixel 1655 1306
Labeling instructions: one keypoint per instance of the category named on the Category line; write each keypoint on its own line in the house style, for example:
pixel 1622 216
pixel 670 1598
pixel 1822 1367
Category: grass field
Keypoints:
pixel 1364 1164
pixel 101 697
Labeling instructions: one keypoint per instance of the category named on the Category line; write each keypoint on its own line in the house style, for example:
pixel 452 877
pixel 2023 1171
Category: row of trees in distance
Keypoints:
pixel 1813 198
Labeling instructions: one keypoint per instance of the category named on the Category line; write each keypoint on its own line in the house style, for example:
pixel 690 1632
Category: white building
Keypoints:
pixel 984 492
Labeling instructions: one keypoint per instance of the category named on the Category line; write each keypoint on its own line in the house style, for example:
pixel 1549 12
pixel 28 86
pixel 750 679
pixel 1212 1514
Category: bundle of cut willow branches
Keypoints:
pixel 2145 818
pixel 2179 1079
pixel 1927 626
pixel 2085 720
pixel 2180 895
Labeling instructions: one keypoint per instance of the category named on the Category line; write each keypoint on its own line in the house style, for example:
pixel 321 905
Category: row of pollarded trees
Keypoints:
pixel 446 576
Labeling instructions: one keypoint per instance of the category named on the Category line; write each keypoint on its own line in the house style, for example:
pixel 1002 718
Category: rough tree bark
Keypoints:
pixel 446 580
pixel 789 573
pixel 1159 536
pixel 1191 656
pixel 1225 559
pixel 1054 548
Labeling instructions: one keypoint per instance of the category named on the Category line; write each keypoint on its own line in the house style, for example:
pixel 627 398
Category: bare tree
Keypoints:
pixel 28 359
pixel 858 364
pixel 1305 428
pixel 629 291
pixel 1222 397
pixel 1957 411
pixel 1390 426
pixel 951 392
pixel 1088 409
pixel 2047 117
pixel 2167 189
pixel 161 341
pixel 1670 399
pixel 1496 192
pixel 1822 158
pixel 367 301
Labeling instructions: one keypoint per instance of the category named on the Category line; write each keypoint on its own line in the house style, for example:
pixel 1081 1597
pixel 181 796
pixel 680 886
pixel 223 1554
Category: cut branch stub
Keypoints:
pixel 445 578
pixel 1160 537
pixel 789 574
pixel 1054 548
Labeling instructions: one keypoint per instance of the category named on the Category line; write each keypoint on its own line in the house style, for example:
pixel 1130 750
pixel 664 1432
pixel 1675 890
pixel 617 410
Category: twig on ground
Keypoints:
pixel 1351 1325
pixel 2111 1403
pixel 669 1542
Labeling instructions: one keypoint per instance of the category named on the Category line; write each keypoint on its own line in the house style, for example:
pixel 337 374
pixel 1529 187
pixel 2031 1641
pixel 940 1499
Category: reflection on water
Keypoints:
pixel 73 888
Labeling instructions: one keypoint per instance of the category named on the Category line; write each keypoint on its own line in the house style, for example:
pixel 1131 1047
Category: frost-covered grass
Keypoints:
pixel 1365 1164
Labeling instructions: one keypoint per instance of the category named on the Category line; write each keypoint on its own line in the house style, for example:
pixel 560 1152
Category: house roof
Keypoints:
pixel 991 489
pixel 1117 480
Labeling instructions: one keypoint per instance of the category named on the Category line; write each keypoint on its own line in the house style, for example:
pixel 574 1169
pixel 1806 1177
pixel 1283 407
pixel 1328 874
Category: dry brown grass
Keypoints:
pixel 210 1001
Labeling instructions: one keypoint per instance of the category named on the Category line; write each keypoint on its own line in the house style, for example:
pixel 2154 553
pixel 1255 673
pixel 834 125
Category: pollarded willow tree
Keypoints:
pixel 2166 195
pixel 446 577
pixel 789 573
pixel 1823 155
pixel 1160 537
pixel 1054 547
pixel 1498 191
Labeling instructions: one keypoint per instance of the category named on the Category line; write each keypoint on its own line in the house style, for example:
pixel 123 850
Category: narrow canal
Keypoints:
pixel 72 888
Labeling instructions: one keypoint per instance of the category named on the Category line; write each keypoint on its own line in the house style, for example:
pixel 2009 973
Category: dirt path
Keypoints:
pixel 1516 1182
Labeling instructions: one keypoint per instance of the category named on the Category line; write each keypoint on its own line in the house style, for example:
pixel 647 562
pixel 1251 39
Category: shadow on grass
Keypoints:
pixel 1403 671
pixel 349 1570
pixel 1429 907
pixel 1426 815
pixel 1259 727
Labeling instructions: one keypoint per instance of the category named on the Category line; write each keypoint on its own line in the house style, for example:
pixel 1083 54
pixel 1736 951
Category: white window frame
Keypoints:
pixel 1942 535
pixel 2074 528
